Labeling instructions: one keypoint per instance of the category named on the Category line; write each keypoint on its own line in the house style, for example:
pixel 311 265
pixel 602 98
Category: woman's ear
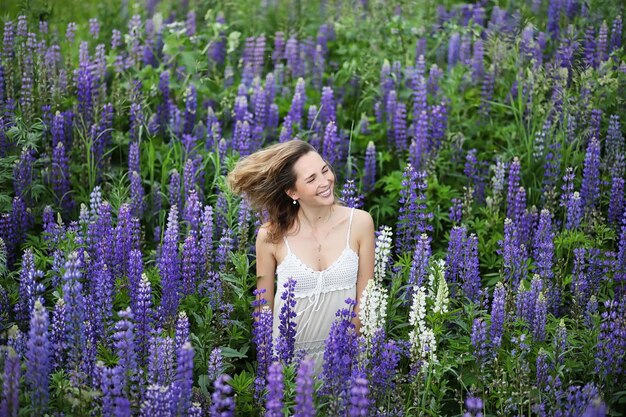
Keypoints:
pixel 292 194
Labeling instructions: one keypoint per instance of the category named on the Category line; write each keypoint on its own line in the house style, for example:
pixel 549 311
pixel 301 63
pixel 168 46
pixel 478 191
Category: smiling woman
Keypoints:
pixel 326 248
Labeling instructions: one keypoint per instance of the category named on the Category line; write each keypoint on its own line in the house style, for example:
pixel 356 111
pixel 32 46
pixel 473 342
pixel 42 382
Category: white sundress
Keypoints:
pixel 318 294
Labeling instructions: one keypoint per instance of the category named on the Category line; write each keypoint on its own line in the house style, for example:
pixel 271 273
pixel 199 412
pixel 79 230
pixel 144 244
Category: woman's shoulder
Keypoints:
pixel 361 219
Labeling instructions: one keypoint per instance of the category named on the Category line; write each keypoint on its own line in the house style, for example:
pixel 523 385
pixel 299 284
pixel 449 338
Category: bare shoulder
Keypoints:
pixel 262 241
pixel 362 222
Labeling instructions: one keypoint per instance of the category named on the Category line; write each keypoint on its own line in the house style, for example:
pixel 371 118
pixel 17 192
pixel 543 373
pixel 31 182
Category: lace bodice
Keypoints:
pixel 339 275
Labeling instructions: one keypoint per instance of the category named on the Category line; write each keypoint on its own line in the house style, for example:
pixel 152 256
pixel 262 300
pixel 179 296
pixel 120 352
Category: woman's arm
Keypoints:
pixel 365 230
pixel 265 266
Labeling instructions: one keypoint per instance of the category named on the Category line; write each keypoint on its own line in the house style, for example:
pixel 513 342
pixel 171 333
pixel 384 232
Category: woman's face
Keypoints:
pixel 314 181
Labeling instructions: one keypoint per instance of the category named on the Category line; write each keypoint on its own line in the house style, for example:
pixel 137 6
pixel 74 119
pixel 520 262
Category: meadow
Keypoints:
pixel 486 140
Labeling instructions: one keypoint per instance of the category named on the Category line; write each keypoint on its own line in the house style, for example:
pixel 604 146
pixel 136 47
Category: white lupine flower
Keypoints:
pixel 381 252
pixel 422 338
pixel 373 310
pixel 442 299
pixel 418 308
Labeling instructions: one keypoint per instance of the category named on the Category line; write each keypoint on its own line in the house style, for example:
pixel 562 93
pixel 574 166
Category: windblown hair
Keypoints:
pixel 264 177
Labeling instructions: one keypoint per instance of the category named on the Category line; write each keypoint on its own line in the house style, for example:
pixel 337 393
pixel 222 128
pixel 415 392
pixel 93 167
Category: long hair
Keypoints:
pixel 264 177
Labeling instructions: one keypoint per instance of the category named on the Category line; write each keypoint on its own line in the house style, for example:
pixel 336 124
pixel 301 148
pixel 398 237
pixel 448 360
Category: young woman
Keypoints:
pixel 328 249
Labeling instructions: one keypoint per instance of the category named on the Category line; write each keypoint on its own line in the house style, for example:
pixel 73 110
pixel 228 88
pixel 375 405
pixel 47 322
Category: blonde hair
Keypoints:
pixel 264 178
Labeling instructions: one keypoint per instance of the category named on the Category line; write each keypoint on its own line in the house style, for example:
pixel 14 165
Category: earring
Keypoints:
pixel 295 202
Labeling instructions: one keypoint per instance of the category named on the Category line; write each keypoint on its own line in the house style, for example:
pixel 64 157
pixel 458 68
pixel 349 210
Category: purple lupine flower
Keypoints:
pixel 8 39
pixel 215 364
pixel 330 150
pixel 161 363
pixel 456 211
pixel 223 404
pixel 190 265
pixel 602 53
pixel 262 338
pixel 38 359
pixel 278 53
pixel 275 386
pixel 102 293
pixel 419 264
pixel 620 274
pixel 539 320
pixel 453 49
pixel 513 188
pixel 136 195
pixel 206 238
pixel 486 91
pixel 497 317
pixel 464 49
pixel 286 133
pixel 94 27
pixel 560 344
pixel 304 406
pixel 438 127
pixel 595 409
pixel 350 195
pixel 615 160
pixel 125 240
pixel 419 146
pixel 470 275
pixel 143 318
pixel 183 381
pixel 169 267
pixel 554 14
pixel 479 340
pixel 616 204
pixel 542 369
pixel 474 172
pixel 369 171
pixel 327 107
pixel 293 58
pixel 611 347
pixel 413 214
pixel 157 401
pixel 125 347
pixel 543 246
pixel 174 189
pixel 74 308
pixel 191 103
pixel 581 286
pixel 114 402
pixel 590 189
pixel 285 343
pixel 224 248
pixel 298 102
pixel 478 61
pixel 616 34
pixel 59 177
pixel 514 255
pixel 29 290
pixel 23 173
pixel 455 256
pixel 58 335
pixel 390 110
pixel 339 356
pixel 359 401
pixel 474 407
pixel 85 83
pixel 399 127
pixel 10 404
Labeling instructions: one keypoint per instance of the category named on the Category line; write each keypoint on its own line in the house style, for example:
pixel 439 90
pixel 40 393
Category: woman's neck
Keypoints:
pixel 316 216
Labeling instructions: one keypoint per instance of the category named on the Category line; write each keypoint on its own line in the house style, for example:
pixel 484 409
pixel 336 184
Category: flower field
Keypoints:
pixel 486 140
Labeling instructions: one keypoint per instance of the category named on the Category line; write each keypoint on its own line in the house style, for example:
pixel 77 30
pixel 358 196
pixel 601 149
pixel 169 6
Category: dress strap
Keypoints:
pixel 349 228
pixel 287 245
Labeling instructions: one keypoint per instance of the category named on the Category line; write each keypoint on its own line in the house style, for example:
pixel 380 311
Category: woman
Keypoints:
pixel 328 249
